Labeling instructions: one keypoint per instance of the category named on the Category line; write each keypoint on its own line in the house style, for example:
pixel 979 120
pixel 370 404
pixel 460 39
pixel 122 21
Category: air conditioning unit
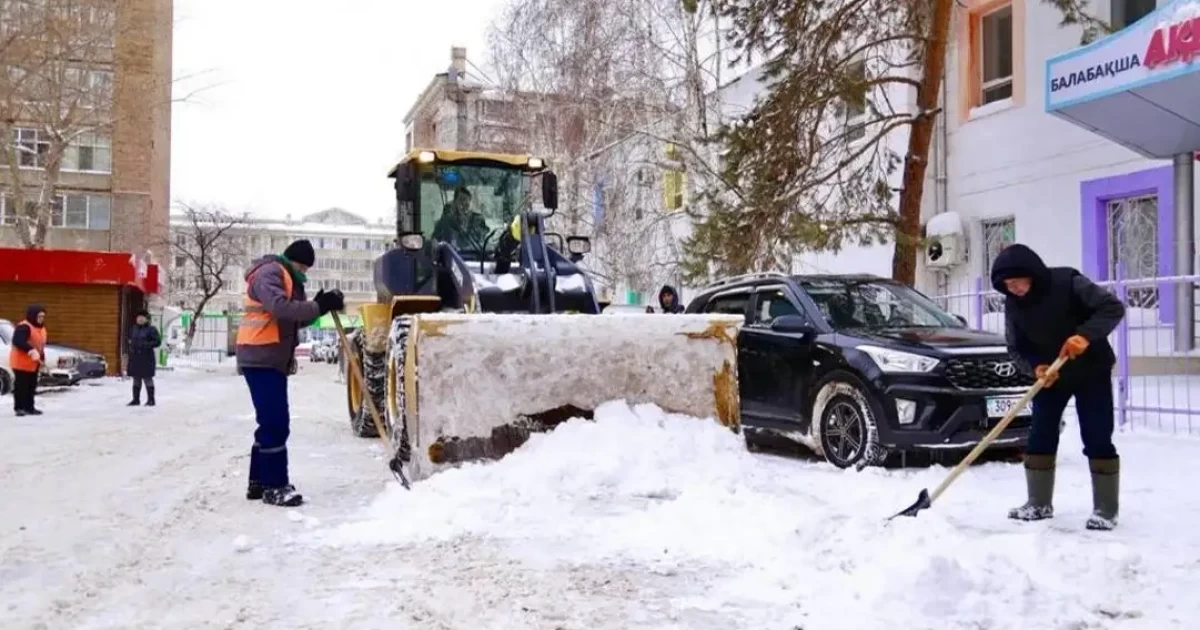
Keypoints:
pixel 945 242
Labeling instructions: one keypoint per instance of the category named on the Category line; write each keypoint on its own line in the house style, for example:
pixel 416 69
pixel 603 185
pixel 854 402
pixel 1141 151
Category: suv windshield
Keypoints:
pixel 6 331
pixel 875 304
pixel 464 205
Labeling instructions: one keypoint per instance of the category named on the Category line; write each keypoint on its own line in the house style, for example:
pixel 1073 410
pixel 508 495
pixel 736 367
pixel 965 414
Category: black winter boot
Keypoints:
pixel 137 395
pixel 283 496
pixel 1106 490
pixel 149 396
pixel 1039 484
pixel 254 492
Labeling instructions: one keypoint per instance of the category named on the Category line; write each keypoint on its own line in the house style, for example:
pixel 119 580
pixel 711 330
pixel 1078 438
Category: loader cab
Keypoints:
pixel 470 229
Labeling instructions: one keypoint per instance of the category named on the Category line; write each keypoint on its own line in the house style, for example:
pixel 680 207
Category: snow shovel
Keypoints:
pixel 357 373
pixel 925 499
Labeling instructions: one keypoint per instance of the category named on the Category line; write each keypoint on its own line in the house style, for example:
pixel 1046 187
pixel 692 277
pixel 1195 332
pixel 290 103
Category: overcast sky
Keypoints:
pixel 308 98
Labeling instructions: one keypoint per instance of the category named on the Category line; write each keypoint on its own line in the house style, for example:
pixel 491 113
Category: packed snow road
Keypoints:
pixel 118 518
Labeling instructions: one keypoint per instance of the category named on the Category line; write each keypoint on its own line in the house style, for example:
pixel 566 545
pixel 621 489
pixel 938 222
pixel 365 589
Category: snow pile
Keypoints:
pixel 782 541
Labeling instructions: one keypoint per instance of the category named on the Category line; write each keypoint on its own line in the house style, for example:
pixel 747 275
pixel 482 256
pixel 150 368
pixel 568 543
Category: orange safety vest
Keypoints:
pixel 259 327
pixel 19 359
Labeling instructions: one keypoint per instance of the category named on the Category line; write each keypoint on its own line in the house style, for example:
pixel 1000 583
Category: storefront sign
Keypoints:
pixel 1174 42
pixel 1134 56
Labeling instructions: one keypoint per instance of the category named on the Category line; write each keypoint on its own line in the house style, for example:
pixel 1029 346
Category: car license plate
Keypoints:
pixel 999 406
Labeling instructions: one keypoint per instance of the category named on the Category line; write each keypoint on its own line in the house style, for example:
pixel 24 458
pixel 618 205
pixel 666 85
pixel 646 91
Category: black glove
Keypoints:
pixel 332 301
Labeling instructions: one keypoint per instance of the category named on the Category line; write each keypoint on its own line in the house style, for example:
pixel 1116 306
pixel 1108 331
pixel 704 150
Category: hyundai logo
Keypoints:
pixel 1005 369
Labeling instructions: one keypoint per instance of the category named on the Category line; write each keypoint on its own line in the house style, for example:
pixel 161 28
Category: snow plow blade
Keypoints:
pixel 485 382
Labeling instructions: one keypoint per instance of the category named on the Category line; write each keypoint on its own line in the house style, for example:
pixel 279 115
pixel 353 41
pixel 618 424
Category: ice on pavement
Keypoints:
pixel 809 541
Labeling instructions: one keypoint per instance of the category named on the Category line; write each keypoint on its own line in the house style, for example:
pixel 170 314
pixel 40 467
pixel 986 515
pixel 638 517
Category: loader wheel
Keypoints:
pixel 375 366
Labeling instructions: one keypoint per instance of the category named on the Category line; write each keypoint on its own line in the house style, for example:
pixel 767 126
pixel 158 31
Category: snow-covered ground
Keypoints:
pixel 117 518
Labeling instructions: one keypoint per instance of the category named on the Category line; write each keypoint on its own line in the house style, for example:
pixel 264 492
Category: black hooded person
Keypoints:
pixel 141 343
pixel 1053 312
pixel 668 299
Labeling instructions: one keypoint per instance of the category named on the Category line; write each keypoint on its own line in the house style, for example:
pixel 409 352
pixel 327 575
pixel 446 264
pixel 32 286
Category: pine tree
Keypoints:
pixel 814 165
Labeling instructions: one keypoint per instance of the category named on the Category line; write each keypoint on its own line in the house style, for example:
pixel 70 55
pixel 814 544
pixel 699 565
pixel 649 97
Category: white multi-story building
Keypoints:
pixel 1067 149
pixel 346 246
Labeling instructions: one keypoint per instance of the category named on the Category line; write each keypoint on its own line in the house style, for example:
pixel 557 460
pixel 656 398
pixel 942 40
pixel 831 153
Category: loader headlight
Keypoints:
pixel 894 361
pixel 413 241
pixel 536 163
pixel 579 244
pixel 426 157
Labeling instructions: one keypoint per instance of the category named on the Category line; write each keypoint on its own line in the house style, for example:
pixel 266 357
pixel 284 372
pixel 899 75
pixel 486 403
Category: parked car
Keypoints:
pixel 65 365
pixel 856 367
pixel 324 351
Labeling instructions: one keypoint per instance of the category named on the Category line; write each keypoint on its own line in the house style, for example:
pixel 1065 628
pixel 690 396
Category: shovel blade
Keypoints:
pixel 923 502
pixel 397 468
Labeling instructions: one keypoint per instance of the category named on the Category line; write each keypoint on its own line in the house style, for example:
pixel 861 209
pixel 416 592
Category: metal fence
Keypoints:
pixel 1157 378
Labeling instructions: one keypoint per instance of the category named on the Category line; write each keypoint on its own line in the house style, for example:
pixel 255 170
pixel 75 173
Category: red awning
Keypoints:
pixel 63 266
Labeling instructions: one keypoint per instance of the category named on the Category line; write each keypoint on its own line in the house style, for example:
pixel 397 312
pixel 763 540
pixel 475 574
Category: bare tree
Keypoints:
pixel 57 101
pixel 615 95
pixel 210 247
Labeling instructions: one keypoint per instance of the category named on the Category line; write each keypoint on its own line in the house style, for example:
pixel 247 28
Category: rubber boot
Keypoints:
pixel 137 395
pixel 1106 487
pixel 149 396
pixel 1039 484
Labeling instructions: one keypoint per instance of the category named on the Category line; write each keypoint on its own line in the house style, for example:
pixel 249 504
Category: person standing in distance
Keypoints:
pixel 1058 312
pixel 25 358
pixel 143 340
pixel 274 311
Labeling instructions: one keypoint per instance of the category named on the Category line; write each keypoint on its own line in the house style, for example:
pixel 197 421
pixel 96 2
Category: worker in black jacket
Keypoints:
pixel 1048 313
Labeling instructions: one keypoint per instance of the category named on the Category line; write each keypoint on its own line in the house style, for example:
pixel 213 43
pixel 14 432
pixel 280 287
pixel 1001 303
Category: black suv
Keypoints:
pixel 857 367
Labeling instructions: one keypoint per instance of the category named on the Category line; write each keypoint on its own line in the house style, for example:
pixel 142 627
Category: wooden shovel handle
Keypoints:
pixel 998 429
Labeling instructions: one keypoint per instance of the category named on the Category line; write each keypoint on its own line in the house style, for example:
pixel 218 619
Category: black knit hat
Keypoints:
pixel 301 252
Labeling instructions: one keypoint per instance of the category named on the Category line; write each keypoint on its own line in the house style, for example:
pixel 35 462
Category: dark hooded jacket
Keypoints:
pixel 20 338
pixel 1061 302
pixel 675 306
pixel 140 345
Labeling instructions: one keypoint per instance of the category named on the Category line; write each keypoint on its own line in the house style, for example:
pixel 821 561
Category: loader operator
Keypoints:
pixel 461 226
pixel 275 311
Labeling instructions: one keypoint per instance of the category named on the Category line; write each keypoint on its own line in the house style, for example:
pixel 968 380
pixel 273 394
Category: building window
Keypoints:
pixel 854 102
pixel 997 234
pixel 31 146
pixel 995 54
pixel 674 181
pixel 345 243
pixel 1132 224
pixel 1126 12
pixel 180 261
pixel 91 152
pixel 8 215
pixel 81 212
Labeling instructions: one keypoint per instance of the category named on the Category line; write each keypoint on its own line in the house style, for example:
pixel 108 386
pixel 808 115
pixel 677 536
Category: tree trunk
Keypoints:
pixel 191 329
pixel 908 233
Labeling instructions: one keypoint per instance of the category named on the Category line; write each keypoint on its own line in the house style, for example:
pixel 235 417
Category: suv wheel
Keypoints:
pixel 5 383
pixel 845 427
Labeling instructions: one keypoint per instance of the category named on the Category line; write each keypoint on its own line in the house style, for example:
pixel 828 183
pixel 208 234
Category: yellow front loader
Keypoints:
pixel 486 329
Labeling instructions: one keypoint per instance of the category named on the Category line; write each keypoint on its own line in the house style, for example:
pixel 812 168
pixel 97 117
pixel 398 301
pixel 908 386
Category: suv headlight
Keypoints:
pixel 895 361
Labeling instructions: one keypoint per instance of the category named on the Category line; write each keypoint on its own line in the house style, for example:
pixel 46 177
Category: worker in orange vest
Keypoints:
pixel 275 309
pixel 25 357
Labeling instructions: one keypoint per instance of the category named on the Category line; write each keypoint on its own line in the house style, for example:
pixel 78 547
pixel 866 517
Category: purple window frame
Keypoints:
pixel 1095 194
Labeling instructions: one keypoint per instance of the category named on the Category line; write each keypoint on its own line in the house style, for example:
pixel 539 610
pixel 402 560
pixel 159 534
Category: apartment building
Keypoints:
pixel 346 246
pixel 114 189
pixel 456 111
